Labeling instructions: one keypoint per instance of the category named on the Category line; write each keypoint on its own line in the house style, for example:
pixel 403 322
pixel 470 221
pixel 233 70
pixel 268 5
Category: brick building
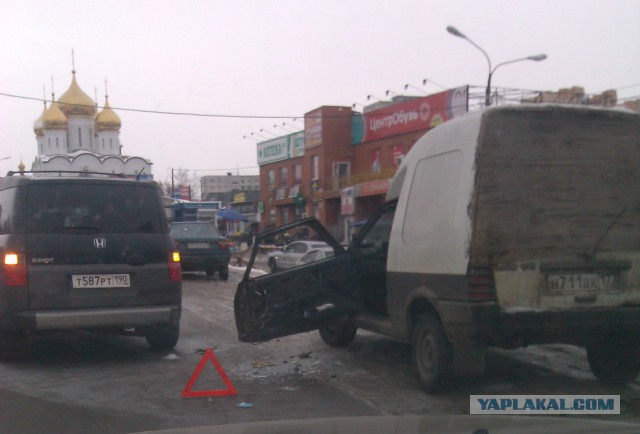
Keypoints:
pixel 338 169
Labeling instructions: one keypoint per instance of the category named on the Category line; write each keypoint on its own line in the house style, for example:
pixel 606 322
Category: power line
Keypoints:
pixel 207 115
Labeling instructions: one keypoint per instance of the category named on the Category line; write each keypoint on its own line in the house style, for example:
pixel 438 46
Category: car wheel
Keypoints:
pixel 272 265
pixel 161 338
pixel 615 360
pixel 224 274
pixel 210 272
pixel 339 333
pixel 431 354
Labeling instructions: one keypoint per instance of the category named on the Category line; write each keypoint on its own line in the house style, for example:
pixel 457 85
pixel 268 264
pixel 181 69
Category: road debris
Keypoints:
pixel 245 405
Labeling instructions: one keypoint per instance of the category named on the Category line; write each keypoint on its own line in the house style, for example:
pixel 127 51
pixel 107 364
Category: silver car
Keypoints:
pixel 291 255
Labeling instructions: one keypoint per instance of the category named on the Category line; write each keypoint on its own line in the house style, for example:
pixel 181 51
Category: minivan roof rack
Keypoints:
pixel 60 172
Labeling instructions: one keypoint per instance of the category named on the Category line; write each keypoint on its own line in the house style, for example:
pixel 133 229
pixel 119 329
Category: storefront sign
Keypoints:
pixel 413 115
pixel 397 154
pixel 313 129
pixel 346 201
pixel 281 148
pixel 297 144
pixel 372 188
pixel 273 150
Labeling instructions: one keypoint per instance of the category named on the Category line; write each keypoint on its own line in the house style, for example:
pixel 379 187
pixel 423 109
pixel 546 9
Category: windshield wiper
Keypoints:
pixel 604 234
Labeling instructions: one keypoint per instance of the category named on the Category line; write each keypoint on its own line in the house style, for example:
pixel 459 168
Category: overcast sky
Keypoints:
pixel 253 59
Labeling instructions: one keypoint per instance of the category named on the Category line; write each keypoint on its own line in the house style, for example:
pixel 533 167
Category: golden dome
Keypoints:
pixel 38 125
pixel 53 117
pixel 75 102
pixel 107 119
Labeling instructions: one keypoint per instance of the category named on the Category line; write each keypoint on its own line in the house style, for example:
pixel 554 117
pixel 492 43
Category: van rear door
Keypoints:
pixel 268 304
pixel 557 207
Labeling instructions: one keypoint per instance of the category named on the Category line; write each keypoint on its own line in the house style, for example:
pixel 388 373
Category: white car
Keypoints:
pixel 318 254
pixel 292 254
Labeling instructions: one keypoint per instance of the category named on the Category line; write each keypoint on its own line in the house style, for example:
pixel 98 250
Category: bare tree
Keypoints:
pixel 182 178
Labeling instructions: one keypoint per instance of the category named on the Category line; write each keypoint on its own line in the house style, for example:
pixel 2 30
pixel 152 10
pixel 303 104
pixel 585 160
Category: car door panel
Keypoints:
pixel 298 299
pixel 295 300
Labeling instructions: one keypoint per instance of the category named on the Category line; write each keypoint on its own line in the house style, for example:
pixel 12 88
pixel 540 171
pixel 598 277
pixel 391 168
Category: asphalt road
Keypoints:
pixel 96 384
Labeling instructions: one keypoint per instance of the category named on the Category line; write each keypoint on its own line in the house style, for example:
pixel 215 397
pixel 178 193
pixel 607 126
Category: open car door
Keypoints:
pixel 270 304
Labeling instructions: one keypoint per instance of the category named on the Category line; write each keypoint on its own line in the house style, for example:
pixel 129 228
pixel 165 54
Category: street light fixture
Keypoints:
pixel 487 100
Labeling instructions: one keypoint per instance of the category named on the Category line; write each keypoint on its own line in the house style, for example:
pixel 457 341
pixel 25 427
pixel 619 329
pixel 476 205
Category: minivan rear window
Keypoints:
pixel 93 208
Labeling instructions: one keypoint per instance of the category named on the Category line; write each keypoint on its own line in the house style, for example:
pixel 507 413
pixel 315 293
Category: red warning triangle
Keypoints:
pixel 230 390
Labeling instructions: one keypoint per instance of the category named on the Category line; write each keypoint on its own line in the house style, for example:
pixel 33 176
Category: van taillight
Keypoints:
pixel 14 270
pixel 175 270
pixel 481 283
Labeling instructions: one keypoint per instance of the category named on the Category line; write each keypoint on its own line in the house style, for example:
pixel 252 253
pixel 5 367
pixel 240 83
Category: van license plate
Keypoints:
pixel 580 282
pixel 101 281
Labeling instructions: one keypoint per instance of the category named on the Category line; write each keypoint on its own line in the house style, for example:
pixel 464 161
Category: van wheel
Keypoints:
pixel 431 354
pixel 224 274
pixel 339 333
pixel 161 338
pixel 616 360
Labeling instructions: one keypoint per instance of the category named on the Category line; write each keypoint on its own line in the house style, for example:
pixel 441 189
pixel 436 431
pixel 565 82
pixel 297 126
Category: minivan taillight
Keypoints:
pixel 175 270
pixel 224 245
pixel 14 270
pixel 481 283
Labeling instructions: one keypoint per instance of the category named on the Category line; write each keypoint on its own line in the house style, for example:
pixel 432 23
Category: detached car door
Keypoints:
pixel 285 302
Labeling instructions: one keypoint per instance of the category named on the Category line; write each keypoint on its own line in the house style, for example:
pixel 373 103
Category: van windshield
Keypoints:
pixel 93 208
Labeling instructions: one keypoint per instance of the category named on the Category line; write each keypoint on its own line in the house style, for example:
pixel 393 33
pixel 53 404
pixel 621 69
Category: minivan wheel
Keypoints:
pixel 615 360
pixel 431 354
pixel 162 338
pixel 12 345
pixel 339 333
pixel 224 274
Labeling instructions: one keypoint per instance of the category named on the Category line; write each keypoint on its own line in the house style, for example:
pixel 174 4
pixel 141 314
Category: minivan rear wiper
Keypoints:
pixel 90 229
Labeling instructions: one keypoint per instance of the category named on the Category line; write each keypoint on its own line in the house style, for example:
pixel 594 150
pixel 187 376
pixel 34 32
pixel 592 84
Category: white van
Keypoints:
pixel 511 226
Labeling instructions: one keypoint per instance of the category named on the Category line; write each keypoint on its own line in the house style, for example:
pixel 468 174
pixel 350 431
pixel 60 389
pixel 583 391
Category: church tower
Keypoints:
pixel 80 111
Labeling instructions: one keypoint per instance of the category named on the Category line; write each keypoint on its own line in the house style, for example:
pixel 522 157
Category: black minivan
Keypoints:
pixel 87 251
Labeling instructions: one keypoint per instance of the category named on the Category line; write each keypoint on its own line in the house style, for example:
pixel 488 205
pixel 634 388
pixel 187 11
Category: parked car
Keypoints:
pixel 86 252
pixel 290 256
pixel 202 248
pixel 506 227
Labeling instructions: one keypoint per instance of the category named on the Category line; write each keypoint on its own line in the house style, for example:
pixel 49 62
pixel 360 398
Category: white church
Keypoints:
pixel 73 135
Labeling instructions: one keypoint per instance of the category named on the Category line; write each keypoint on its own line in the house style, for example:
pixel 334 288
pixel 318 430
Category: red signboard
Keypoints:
pixel 416 114
pixel 397 154
pixel 185 192
pixel 372 188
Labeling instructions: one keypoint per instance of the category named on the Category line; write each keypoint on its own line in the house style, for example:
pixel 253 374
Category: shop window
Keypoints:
pixel 375 159
pixel 297 174
pixel 284 176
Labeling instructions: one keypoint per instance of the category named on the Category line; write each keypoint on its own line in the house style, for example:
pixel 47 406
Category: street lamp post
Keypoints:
pixel 487 95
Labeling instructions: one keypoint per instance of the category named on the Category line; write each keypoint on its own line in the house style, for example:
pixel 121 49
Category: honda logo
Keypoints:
pixel 100 243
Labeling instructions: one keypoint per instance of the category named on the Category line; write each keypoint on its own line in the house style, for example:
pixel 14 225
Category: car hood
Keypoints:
pixel 461 424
